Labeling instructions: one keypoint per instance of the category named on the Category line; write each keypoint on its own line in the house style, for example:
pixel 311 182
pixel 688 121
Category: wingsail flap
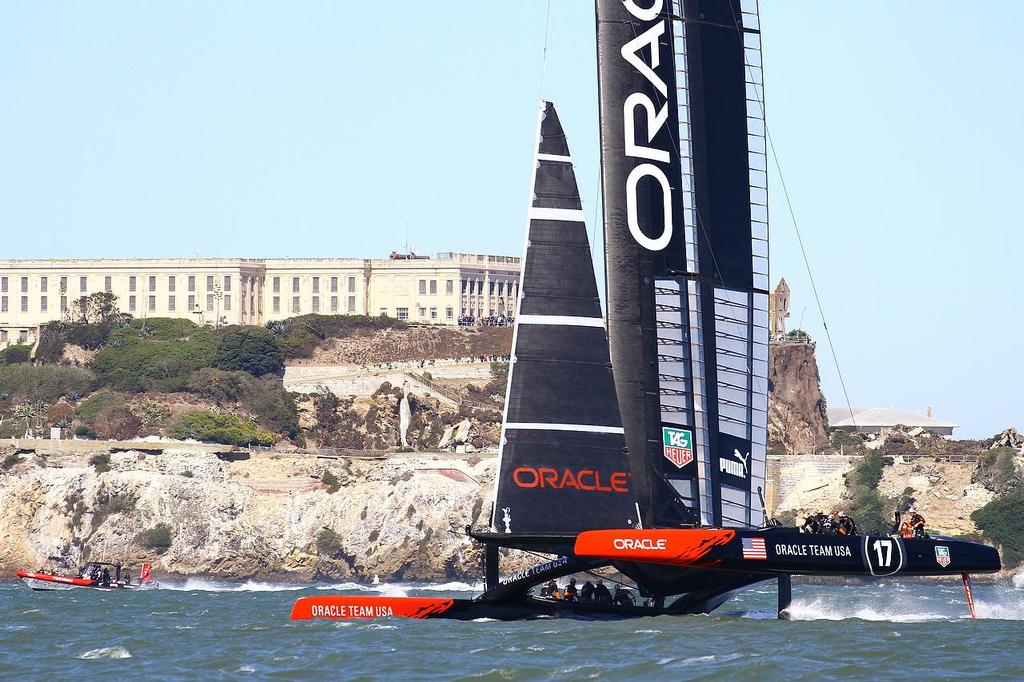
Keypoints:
pixel 686 230
pixel 562 465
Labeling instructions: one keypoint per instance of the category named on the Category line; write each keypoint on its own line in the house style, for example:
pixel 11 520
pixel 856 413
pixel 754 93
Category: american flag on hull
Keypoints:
pixel 753 548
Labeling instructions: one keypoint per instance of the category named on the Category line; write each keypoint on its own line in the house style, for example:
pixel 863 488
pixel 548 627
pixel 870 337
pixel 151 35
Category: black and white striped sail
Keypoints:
pixel 686 239
pixel 562 466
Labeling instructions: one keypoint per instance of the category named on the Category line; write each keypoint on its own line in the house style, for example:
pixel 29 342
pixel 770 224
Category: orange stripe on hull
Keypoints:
pixel 343 607
pixel 679 547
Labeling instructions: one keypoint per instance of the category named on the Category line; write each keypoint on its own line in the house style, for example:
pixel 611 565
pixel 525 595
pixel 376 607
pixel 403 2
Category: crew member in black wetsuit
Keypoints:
pixel 601 593
pixel 623 597
pixel 570 593
pixel 587 591
pixel 917 523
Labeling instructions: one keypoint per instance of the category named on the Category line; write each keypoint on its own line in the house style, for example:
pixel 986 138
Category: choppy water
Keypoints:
pixel 208 630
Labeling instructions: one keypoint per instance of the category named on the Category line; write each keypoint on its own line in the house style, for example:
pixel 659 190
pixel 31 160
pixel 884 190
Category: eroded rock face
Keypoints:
pixel 796 407
pixel 261 518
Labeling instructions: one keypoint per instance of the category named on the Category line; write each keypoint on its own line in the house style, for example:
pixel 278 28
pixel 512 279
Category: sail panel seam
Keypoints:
pixel 585 428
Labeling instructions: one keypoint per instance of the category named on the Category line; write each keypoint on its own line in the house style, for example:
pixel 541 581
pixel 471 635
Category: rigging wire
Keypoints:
pixel 544 52
pixel 759 98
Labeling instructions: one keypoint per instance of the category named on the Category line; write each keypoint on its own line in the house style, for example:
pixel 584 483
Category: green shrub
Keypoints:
pixel 47 383
pixel 219 428
pixel 1002 520
pixel 157 538
pixel 108 505
pixel 89 408
pixel 10 460
pixel 100 462
pixel 328 541
pixel 249 349
pixel 264 397
pixel 187 473
pixel 51 343
pixel 13 355
pixel 299 336
pixel 88 336
pixel 138 358
pixel 996 469
pixel 331 481
pixel 868 508
pixel 83 431
pixel 117 422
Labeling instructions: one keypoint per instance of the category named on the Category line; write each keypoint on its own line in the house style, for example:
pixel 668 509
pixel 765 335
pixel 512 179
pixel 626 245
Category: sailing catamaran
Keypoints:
pixel 640 444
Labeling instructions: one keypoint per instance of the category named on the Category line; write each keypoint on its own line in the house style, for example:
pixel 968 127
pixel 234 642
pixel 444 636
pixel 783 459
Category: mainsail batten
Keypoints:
pixel 562 465
pixel 685 198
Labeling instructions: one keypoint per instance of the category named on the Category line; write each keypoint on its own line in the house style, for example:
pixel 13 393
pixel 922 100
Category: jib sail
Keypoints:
pixel 686 237
pixel 562 466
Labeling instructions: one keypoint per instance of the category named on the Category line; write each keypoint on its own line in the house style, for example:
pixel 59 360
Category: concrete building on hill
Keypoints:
pixel 874 419
pixel 441 290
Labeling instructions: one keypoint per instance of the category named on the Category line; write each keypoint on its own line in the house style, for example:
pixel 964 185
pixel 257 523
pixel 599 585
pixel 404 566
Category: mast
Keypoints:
pixel 685 200
pixel 562 466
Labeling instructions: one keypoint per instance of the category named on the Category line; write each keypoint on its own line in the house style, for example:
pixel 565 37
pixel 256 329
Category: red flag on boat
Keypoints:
pixel 146 574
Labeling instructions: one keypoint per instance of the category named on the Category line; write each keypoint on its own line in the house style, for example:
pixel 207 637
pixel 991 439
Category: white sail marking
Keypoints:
pixel 554 157
pixel 563 320
pixel 571 215
pixel 586 428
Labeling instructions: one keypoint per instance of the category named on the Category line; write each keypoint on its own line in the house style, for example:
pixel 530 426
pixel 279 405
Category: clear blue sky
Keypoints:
pixel 300 129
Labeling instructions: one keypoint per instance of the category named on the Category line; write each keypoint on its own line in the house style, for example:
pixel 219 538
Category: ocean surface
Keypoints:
pixel 206 630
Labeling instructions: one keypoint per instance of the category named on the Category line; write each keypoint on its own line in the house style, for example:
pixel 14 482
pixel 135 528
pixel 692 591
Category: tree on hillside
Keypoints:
pixel 98 308
pixel 28 412
pixel 249 349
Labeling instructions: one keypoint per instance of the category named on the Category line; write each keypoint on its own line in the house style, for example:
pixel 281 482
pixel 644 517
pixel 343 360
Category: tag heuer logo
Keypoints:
pixel 942 555
pixel 678 446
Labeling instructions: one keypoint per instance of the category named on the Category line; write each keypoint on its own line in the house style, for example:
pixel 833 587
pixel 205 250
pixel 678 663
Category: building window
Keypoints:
pixel 3 336
pixel 3 304
pixel 351 283
pixel 295 304
pixel 108 284
pixel 433 286
pixel 316 285
pixel 24 285
pixel 191 282
pixel 295 285
pixel 3 284
pixel 63 304
pixel 171 303
pixel 191 303
pixel 463 286
pixel 449 287
pixel 277 285
pixel 433 313
pixel 403 313
pixel 209 282
pixel 227 301
pixel 131 283
pixel 277 304
pixel 383 312
pixel 152 304
pixel 316 304
pixel 334 304
pixel 131 304
pixel 83 284
pixel 351 304
pixel 449 313
pixel 334 285
pixel 423 286
pixel 24 304
pixel 23 336
pixel 152 282
pixel 42 304
pixel 490 289
pixel 227 282
pixel 209 303
pixel 63 285
pixel 170 283
pixel 42 284
pixel 423 313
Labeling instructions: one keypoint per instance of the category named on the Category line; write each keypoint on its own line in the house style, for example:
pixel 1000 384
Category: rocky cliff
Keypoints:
pixel 269 516
pixel 796 407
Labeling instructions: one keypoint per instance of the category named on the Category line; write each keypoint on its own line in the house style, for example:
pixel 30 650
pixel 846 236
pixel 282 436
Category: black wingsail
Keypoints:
pixel 562 465
pixel 686 242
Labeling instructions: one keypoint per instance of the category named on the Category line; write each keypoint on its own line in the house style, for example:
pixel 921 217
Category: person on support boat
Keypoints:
pixel 624 597
pixel 587 591
pixel 811 525
pixel 570 593
pixel 549 589
pixel 601 593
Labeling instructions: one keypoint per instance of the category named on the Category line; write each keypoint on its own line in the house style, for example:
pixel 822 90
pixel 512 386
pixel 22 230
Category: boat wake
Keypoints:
pixel 106 652
pixel 1001 605
pixel 204 585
